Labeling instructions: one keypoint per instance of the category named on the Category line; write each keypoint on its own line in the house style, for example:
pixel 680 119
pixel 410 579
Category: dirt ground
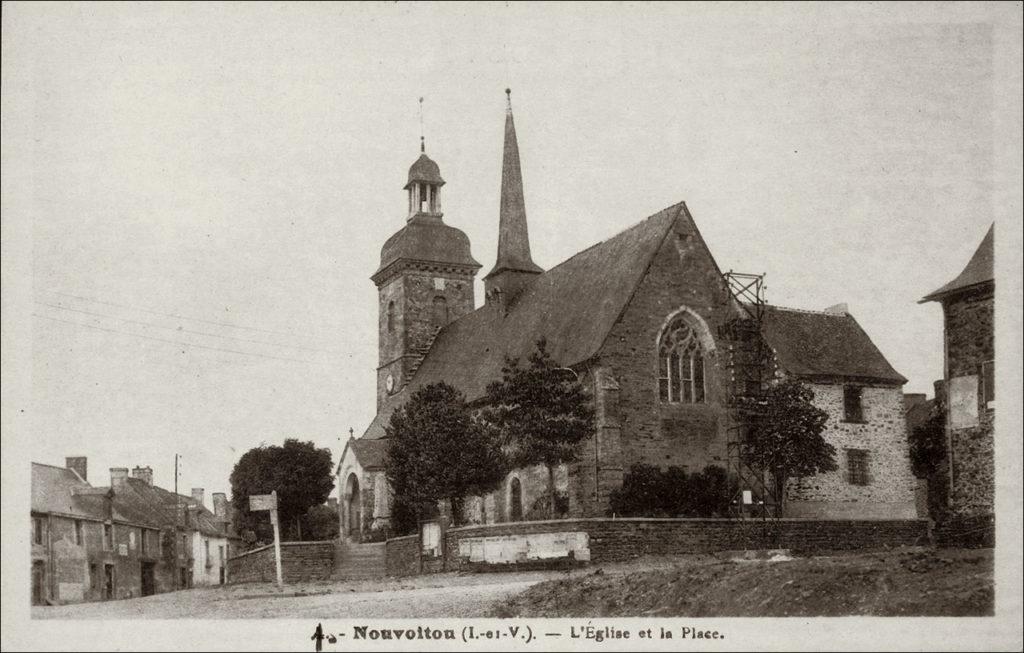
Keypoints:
pixel 909 582
pixel 912 582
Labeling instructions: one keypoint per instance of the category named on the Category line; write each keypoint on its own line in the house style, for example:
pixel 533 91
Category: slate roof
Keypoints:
pixel 53 492
pixel 574 305
pixel 426 238
pixel 979 270
pixel 371 453
pixel 57 490
pixel 424 169
pixel 820 346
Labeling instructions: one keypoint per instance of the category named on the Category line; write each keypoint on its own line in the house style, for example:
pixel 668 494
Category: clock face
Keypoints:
pixel 389 383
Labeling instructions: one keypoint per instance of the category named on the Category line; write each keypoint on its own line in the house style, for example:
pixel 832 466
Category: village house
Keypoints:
pixel 660 337
pixel 968 309
pixel 126 539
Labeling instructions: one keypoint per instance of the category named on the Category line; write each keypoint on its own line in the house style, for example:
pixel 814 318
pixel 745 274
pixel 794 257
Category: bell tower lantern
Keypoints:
pixel 425 280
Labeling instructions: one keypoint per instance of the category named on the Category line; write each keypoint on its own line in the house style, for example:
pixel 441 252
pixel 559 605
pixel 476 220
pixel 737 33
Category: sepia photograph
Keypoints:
pixel 512 325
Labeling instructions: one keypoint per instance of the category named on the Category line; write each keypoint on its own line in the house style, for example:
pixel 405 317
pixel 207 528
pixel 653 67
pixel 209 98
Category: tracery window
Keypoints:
pixel 681 364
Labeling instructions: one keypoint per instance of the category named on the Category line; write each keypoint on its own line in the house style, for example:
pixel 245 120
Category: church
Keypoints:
pixel 646 321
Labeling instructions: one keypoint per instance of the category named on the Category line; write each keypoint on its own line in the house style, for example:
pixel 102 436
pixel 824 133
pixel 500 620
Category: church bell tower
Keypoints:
pixel 425 280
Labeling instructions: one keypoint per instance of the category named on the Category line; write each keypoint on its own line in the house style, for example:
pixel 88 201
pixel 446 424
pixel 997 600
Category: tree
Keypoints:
pixel 928 457
pixel 437 451
pixel 648 491
pixel 542 413
pixel 299 472
pixel 785 435
pixel 320 522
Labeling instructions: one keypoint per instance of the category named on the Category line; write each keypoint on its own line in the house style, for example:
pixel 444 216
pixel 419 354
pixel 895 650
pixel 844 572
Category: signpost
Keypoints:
pixel 269 502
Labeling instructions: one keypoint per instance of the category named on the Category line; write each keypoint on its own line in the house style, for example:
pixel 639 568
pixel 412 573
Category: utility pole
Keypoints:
pixel 177 510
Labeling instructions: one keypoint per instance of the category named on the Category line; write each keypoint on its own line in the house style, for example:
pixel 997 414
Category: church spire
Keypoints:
pixel 513 239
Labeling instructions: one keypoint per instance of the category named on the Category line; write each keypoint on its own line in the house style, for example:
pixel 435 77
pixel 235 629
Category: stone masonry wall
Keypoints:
pixel 300 561
pixel 413 293
pixel 682 274
pixel 883 433
pixel 613 540
pixel 970 341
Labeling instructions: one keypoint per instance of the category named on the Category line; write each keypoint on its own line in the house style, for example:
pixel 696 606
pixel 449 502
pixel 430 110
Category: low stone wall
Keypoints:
pixel 300 561
pixel 623 539
pixel 967 531
pixel 402 555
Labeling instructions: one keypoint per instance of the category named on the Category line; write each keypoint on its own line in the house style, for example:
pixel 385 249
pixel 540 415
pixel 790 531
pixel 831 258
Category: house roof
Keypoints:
pixel 979 270
pixel 573 305
pixel 370 453
pixel 53 490
pixel 62 491
pixel 818 346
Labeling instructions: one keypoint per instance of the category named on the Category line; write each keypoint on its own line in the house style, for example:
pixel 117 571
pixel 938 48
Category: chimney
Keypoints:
pixel 838 309
pixel 79 464
pixel 144 473
pixel 940 389
pixel 332 503
pixel 118 475
pixel 220 506
pixel 197 495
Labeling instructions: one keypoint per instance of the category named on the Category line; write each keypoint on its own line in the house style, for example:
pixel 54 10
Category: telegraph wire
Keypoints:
pixel 172 342
pixel 180 317
pixel 181 329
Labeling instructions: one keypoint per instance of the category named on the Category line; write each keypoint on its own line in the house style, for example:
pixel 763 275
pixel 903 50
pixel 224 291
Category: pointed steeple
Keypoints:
pixel 513 236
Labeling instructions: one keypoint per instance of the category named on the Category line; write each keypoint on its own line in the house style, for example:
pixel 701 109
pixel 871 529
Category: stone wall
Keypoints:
pixel 682 276
pixel 300 561
pixel 890 491
pixel 402 555
pixel 970 341
pixel 613 540
pixel 413 322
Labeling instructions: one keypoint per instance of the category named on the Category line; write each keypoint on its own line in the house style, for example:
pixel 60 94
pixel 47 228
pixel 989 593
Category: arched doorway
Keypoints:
pixel 515 499
pixel 354 519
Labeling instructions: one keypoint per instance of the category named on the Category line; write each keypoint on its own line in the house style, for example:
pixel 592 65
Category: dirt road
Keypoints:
pixel 443 595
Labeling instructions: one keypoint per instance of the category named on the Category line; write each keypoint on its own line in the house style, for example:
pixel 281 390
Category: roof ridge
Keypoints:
pixel 806 310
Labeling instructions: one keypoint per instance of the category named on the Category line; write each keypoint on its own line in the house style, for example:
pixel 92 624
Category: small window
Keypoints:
pixel 857 466
pixel 143 541
pixel 853 405
pixel 440 311
pixel 220 551
pixel 988 383
pixel 37 530
pixel 78 532
pixel 391 316
pixel 108 537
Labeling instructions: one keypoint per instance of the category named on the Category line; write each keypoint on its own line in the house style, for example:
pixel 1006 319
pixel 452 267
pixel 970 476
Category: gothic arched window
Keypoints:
pixel 680 364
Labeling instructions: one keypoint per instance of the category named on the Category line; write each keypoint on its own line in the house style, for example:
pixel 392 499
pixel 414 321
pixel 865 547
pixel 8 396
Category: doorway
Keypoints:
pixel 355 510
pixel 148 576
pixel 108 581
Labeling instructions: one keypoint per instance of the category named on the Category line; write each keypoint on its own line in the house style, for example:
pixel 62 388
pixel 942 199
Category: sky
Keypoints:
pixel 206 187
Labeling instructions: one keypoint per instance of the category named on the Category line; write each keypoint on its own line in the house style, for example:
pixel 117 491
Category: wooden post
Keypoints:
pixel 277 538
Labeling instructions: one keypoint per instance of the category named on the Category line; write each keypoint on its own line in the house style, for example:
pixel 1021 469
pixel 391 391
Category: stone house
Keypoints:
pixel 99 543
pixel 640 319
pixel 968 309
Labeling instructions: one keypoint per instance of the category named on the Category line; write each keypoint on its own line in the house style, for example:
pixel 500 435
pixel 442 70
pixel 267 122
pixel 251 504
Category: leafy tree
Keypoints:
pixel 785 435
pixel 299 471
pixel 928 457
pixel 437 451
pixel 320 523
pixel 542 413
